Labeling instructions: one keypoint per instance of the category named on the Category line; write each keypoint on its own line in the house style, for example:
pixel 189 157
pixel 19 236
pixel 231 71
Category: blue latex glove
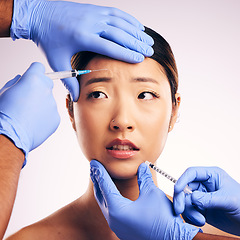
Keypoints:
pixel 216 198
pixel 28 112
pixel 63 28
pixel 151 216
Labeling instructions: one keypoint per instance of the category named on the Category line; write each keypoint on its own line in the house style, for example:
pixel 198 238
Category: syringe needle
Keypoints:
pixel 186 190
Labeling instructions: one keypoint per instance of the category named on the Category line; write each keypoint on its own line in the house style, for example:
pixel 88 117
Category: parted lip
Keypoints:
pixel 118 141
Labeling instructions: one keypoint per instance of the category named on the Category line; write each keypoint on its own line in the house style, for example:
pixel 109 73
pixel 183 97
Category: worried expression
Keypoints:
pixel 123 115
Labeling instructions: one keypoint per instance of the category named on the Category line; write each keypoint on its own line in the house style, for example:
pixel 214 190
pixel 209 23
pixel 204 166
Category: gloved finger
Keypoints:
pixel 179 202
pixel 191 214
pixel 35 67
pixel 124 39
pixel 145 181
pixel 106 193
pixel 179 198
pixel 130 29
pixel 114 50
pixel 195 185
pixel 35 72
pixel 71 84
pixel 123 15
pixel 98 193
pixel 210 200
pixel 10 84
pixel 150 195
pixel 192 174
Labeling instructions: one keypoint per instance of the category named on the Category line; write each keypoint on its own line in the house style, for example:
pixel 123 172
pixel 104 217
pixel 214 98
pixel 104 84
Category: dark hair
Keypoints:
pixel 162 54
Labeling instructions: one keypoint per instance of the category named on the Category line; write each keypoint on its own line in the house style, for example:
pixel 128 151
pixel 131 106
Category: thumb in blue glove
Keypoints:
pixel 216 198
pixel 149 217
pixel 63 28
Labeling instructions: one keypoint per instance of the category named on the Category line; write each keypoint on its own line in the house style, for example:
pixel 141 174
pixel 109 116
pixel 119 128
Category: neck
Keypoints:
pixel 88 209
pixel 127 187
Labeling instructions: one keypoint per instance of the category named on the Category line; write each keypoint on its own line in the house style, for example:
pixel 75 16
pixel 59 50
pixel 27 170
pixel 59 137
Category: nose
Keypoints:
pixel 122 122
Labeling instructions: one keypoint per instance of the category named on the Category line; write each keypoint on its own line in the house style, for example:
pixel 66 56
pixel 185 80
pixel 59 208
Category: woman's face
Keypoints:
pixel 123 115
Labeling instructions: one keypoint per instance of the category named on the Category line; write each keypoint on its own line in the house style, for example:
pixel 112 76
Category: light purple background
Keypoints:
pixel 205 38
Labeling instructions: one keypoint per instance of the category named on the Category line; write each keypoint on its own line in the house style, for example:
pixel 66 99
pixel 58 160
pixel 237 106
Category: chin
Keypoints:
pixel 123 169
pixel 123 175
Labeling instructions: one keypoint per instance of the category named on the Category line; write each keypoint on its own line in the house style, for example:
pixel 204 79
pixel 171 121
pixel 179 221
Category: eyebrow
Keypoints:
pixel 107 79
pixel 95 80
pixel 144 79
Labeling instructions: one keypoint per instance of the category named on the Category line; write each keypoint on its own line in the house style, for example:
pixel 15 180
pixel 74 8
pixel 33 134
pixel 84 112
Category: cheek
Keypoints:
pixel 151 130
pixel 88 132
pixel 156 132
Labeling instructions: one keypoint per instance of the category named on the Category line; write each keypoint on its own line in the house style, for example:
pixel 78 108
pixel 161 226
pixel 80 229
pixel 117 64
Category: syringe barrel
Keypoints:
pixel 187 190
pixel 61 75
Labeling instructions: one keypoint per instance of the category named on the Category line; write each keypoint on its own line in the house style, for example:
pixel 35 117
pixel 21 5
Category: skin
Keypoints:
pixel 11 158
pixel 204 236
pixel 92 120
pixel 120 101
pixel 144 120
pixel 6 11
pixel 11 161
pixel 9 168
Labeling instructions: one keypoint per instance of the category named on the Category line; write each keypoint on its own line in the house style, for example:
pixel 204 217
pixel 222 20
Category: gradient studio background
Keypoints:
pixel 205 38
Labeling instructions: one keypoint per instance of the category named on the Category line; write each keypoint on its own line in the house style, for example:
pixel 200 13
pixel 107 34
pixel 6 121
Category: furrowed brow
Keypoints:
pixel 143 79
pixel 95 80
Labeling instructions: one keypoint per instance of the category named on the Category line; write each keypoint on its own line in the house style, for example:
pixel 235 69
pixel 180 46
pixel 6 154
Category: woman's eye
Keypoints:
pixel 97 95
pixel 147 95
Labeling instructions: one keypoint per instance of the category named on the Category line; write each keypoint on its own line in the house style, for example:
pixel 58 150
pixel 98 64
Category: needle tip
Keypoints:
pixel 98 70
pixel 147 162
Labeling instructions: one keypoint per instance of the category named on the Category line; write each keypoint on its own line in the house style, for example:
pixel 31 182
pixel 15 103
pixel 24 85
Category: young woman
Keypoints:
pixel 122 118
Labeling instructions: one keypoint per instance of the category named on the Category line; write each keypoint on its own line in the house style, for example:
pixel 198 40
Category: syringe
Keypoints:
pixel 69 74
pixel 186 190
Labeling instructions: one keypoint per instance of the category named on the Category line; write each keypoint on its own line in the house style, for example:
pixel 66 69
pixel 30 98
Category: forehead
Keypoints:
pixel 149 68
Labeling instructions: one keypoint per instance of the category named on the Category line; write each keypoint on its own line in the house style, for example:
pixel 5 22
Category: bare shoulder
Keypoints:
pixel 35 231
pixel 57 226
pixel 212 230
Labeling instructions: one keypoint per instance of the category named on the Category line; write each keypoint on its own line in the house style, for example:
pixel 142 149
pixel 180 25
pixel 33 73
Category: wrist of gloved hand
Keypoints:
pixel 22 25
pixel 20 19
pixel 11 129
pixel 180 230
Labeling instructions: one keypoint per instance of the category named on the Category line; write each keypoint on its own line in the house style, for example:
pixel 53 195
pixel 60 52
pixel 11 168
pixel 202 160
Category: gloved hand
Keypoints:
pixel 216 198
pixel 63 28
pixel 28 112
pixel 151 216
